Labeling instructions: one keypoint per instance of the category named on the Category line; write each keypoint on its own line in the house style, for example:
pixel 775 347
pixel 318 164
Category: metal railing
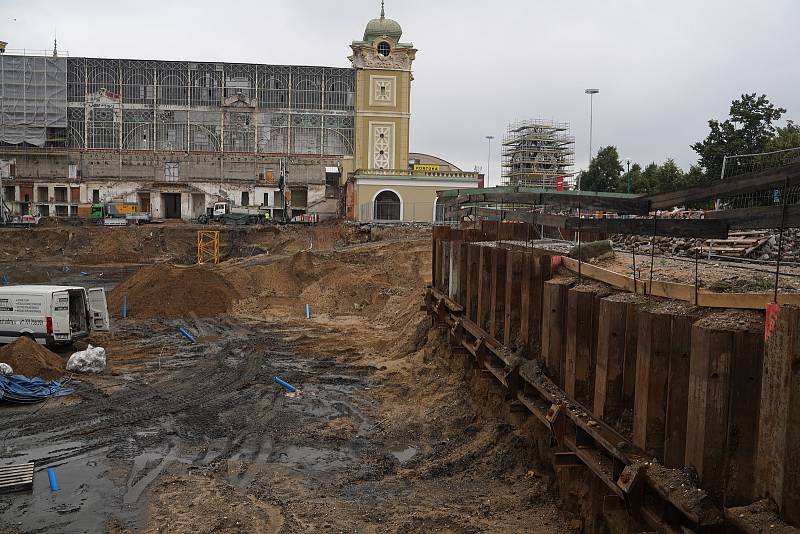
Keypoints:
pixel 412 174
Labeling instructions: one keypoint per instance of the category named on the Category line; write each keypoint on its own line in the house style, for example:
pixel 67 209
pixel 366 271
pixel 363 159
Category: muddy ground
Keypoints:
pixel 383 435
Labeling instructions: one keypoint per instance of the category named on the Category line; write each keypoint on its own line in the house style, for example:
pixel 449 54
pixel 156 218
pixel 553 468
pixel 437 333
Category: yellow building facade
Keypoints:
pixel 380 185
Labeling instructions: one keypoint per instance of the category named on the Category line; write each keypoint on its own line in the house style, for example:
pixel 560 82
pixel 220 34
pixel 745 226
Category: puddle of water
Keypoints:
pixel 81 505
pixel 39 455
pixel 404 454
pixel 146 467
pixel 311 458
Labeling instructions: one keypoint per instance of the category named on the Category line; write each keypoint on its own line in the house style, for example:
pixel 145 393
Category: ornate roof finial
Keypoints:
pixel 55 44
pixel 383 13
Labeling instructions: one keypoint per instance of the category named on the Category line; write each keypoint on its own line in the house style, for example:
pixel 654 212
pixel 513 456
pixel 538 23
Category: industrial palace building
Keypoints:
pixel 176 136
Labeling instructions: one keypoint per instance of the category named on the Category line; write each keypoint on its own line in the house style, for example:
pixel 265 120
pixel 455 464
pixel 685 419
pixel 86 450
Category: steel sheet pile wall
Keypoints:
pixel 640 393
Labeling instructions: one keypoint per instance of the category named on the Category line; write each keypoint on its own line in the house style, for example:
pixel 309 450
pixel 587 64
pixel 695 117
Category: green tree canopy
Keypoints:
pixel 747 130
pixel 604 171
pixel 786 137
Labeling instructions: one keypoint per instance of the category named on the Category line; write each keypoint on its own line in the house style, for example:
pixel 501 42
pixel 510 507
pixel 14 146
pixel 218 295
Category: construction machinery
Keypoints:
pixel 227 213
pixel 117 214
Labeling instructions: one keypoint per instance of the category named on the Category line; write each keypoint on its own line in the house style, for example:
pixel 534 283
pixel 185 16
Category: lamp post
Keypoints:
pixel 591 93
pixel 488 158
pixel 628 161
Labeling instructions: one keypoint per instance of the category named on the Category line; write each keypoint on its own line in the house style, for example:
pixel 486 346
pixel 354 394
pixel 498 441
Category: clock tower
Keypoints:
pixel 383 96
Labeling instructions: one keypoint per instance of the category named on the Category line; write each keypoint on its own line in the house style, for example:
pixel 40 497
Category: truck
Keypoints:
pixel 114 213
pixel 51 314
pixel 226 213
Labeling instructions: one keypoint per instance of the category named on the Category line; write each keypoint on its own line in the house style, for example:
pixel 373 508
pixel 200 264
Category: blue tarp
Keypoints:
pixel 19 388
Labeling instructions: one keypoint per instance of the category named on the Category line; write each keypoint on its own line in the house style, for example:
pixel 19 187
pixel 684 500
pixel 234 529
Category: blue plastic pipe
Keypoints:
pixel 186 334
pixel 308 312
pixel 286 385
pixel 51 474
pixel 125 306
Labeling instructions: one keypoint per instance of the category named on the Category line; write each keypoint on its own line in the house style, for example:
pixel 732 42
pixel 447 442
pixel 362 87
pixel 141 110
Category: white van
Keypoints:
pixel 52 315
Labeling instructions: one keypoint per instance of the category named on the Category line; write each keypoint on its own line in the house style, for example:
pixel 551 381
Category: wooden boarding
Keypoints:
pixel 778 460
pixel 631 344
pixel 554 307
pixel 652 373
pixel 608 389
pixel 484 285
pixel 17 477
pixel 678 391
pixel 617 202
pixel 678 291
pixel 724 378
pixel 513 295
pixel 581 344
pixel 695 228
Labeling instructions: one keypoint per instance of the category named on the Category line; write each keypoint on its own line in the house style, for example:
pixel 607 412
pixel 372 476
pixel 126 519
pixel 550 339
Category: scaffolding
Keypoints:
pixel 122 104
pixel 538 153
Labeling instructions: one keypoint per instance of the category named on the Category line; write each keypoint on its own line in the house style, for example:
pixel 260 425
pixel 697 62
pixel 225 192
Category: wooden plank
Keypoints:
pixel 677 291
pixel 622 203
pixel 778 460
pixel 580 345
pixel 463 271
pixel 611 338
pixel 434 261
pixel 484 287
pixel 678 391
pixel 512 298
pixel 696 228
pixel 525 331
pixel 720 433
pixel 553 323
pixel 471 287
pixel 631 346
pixel 746 183
pixel 542 271
pixel 652 369
pixel 493 304
pixel 760 217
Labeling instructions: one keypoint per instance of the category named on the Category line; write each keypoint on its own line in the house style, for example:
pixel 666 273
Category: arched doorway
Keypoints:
pixel 387 206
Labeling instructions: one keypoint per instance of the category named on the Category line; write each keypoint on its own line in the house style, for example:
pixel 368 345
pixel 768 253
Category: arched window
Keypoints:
pixel 388 206
pixel 384 48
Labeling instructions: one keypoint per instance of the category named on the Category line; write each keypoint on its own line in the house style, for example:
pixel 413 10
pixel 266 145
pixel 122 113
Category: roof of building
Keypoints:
pixel 429 159
pixel 382 27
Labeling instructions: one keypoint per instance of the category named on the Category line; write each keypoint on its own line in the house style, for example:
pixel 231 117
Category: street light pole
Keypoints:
pixel 591 93
pixel 628 160
pixel 488 158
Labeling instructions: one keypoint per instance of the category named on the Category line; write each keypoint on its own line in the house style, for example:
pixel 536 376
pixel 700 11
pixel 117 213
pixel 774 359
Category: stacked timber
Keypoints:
pixel 746 244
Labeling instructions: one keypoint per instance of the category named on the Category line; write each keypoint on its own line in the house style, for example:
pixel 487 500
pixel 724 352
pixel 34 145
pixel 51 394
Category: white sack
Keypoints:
pixel 91 360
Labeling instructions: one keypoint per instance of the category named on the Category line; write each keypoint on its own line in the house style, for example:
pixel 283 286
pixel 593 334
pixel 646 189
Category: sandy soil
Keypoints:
pixel 383 435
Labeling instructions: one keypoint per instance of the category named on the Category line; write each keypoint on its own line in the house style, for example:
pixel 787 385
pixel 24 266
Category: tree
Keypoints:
pixel 786 137
pixel 604 171
pixel 635 178
pixel 746 131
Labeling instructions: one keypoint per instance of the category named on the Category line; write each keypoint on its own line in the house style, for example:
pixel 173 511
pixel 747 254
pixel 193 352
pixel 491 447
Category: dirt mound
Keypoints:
pixel 173 291
pixel 26 357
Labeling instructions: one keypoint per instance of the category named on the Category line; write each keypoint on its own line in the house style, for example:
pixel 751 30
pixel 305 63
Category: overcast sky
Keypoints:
pixel 663 67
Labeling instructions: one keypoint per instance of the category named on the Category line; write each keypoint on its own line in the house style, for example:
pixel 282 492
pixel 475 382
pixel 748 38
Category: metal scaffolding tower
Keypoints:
pixel 538 153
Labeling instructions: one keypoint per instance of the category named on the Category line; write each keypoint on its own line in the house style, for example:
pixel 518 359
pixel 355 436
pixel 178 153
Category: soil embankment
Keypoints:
pixel 173 291
pixel 26 357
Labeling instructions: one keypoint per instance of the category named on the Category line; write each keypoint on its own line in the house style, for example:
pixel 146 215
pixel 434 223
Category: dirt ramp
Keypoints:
pixel 173 291
pixel 27 357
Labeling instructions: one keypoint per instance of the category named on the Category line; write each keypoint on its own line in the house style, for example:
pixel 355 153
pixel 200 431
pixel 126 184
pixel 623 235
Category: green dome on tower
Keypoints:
pixel 382 26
